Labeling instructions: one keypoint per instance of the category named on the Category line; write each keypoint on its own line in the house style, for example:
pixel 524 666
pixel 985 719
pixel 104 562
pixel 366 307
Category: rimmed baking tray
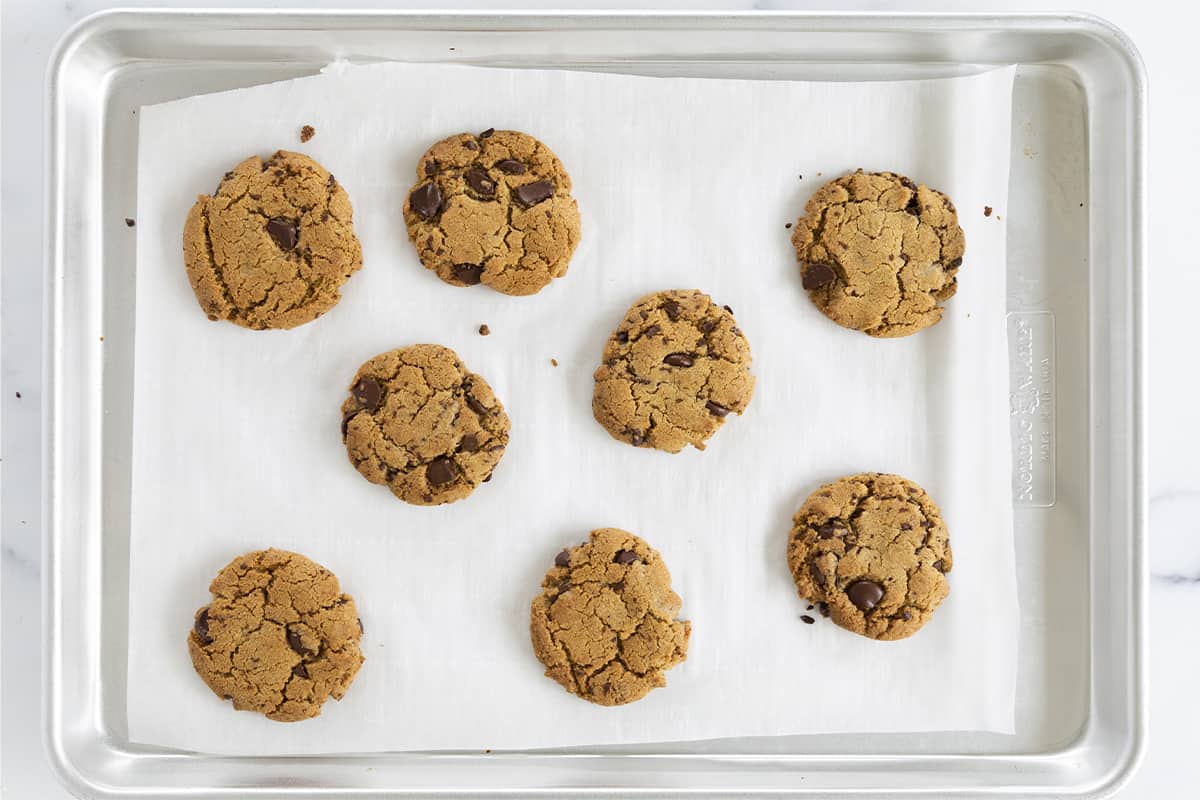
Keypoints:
pixel 1077 315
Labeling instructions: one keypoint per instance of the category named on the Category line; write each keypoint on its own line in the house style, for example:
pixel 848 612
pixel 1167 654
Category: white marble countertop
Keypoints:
pixel 1163 31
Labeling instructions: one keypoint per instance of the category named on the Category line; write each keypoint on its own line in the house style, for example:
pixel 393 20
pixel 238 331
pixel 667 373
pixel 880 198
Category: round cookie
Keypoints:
pixel 494 209
pixel 418 422
pixel 605 625
pixel 676 366
pixel 872 551
pixel 279 636
pixel 878 253
pixel 273 245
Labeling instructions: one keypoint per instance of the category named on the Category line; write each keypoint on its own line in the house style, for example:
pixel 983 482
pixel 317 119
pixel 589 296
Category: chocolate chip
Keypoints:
pixel 625 557
pixel 426 200
pixel 906 615
pixel 716 409
pixel 622 337
pixel 130 222
pixel 864 594
pixel 708 325
pixel 817 275
pixel 563 559
pixel 300 671
pixel 476 406
pixel 672 310
pixel 678 360
pixel 927 524
pixel 440 470
pixel 471 144
pixel 430 168
pixel 296 643
pixel 727 308
pixel 332 180
pixel 806 619
pixel 940 566
pixel 484 330
pixel 651 331
pixel 469 274
pixel 510 167
pixel 617 587
pixel 349 415
pixel 563 585
pixel 636 438
pixel 987 211
pixel 913 206
pixel 478 180
pixel 955 264
pixel 307 132
pixel 284 232
pixel 368 392
pixel 817 576
pixel 828 530
pixel 488 478
pixel 533 193
pixel 487 133
pixel 201 628
pixel 823 608
pixel 905 526
pixel 468 444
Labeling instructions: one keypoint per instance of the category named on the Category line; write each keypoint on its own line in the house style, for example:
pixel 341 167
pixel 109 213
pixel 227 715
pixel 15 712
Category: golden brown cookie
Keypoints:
pixel 495 209
pixel 872 551
pixel 676 366
pixel 605 624
pixel 418 422
pixel 279 636
pixel 878 253
pixel 273 245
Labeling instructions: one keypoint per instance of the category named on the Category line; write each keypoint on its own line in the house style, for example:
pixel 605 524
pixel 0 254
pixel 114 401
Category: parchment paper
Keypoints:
pixel 682 183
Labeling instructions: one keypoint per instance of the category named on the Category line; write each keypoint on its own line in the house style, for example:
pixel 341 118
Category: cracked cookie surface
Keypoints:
pixel 279 636
pixel 493 208
pixel 273 245
pixel 873 551
pixel 419 423
pixel 605 624
pixel 878 253
pixel 675 367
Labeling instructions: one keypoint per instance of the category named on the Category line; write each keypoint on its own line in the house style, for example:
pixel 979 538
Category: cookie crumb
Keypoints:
pixel 102 338
pixel 18 395
pixel 801 177
pixel 130 222
pixel 806 619
pixel 987 211
pixel 484 330
pixel 554 362
pixel 1081 205
pixel 810 607
pixel 307 132
pixel 487 750
pixel 788 225
pixel 819 174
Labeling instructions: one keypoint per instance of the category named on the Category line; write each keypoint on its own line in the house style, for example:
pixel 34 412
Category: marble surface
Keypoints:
pixel 1163 31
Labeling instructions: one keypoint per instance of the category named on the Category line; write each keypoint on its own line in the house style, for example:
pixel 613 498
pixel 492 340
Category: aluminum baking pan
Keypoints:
pixel 1077 303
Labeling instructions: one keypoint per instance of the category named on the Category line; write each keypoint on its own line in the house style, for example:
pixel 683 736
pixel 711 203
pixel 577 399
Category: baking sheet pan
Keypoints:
pixel 1078 131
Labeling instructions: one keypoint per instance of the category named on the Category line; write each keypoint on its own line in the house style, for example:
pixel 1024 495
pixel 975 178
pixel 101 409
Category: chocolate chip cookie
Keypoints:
pixel 605 625
pixel 878 253
pixel 674 369
pixel 279 637
pixel 493 208
pixel 273 245
pixel 873 552
pixel 418 422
